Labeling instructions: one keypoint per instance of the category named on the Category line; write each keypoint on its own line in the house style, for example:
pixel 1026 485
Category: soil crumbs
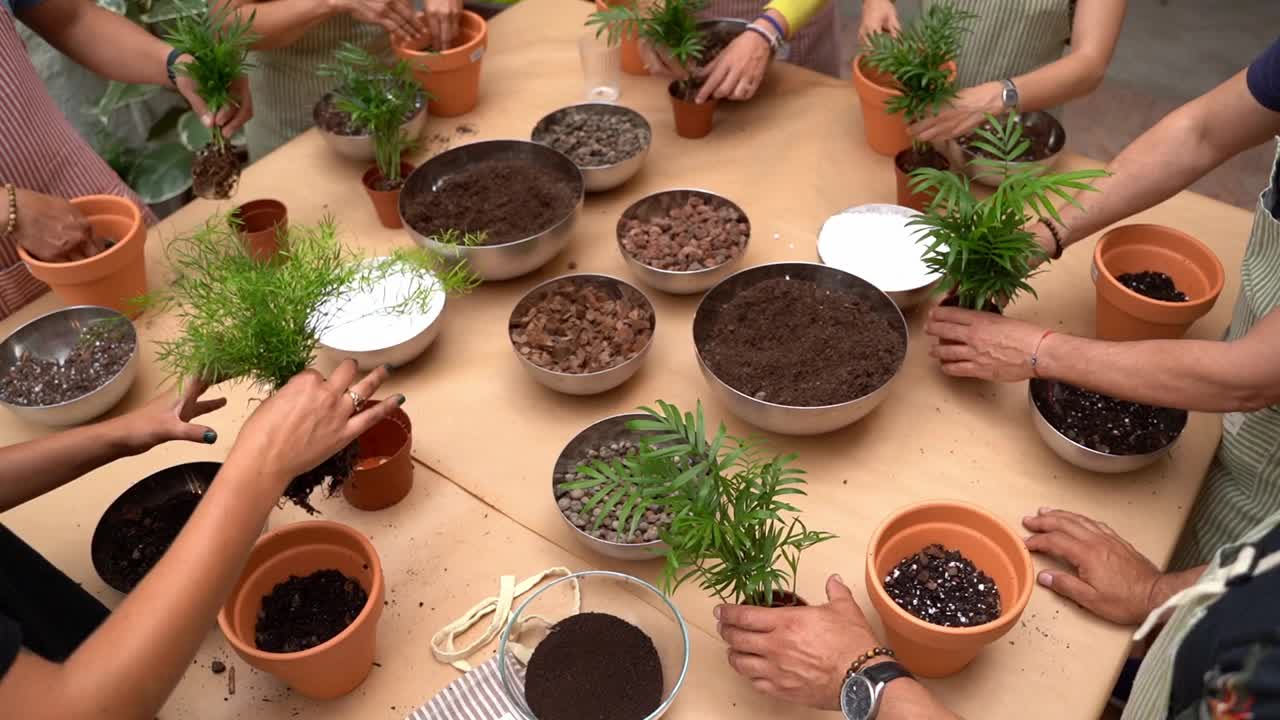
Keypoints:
pixel 915 159
pixel 694 236
pixel 303 612
pixel 594 666
pixel 594 139
pixel 573 502
pixel 1105 424
pixel 142 536
pixel 506 200
pixel 215 172
pixel 790 342
pixel 1155 285
pixel 99 355
pixel 582 325
pixel 943 587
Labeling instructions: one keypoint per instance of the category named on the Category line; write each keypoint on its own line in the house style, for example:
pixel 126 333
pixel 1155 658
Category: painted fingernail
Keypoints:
pixel 1045 579
pixel 210 437
pixel 400 399
pixel 386 366
pixel 716 612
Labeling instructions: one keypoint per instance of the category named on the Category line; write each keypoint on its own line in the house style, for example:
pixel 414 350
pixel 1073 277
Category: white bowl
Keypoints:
pixel 875 243
pixel 360 328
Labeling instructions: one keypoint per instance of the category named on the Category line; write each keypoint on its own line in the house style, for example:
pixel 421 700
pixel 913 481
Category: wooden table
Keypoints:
pixel 486 435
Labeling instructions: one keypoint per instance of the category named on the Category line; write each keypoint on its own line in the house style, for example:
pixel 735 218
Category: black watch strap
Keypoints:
pixel 885 672
pixel 169 62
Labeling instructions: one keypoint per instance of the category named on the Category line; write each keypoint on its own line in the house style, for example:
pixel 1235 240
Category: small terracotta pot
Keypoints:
pixel 263 228
pixel 385 202
pixel 1123 314
pixel 632 63
pixel 781 599
pixel 933 650
pixel 337 666
pixel 906 197
pixel 886 133
pixel 384 471
pixel 113 278
pixel 692 120
pixel 452 76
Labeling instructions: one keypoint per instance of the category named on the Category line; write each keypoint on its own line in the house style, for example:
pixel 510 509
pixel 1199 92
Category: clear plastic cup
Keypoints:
pixel 601 67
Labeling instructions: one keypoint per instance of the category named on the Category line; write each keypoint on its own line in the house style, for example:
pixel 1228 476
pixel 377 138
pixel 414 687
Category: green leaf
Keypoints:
pixel 119 95
pixel 192 133
pixel 162 171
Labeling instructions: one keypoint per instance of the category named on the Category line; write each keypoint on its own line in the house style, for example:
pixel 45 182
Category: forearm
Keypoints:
pixel 1057 83
pixel 280 23
pixel 78 28
pixel 1171 584
pixel 31 469
pixel 907 699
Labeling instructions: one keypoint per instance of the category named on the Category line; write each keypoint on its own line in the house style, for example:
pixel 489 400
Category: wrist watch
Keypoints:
pixel 860 697
pixel 169 63
pixel 1009 95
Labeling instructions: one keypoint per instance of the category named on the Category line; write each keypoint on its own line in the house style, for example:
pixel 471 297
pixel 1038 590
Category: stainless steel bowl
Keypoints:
pixel 671 281
pixel 905 298
pixel 789 419
pixel 610 429
pixel 53 337
pixel 963 156
pixel 511 259
pixel 1087 458
pixel 599 178
pixel 360 147
pixel 583 383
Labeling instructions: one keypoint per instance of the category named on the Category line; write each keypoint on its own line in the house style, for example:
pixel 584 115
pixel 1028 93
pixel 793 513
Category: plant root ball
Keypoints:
pixel 336 471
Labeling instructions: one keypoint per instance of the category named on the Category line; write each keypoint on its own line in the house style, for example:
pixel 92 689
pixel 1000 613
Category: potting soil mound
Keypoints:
pixel 1155 285
pixel 303 612
pixel 1105 424
pixel 98 356
pixel 506 200
pixel 581 325
pixel 790 342
pixel 697 235
pixel 139 538
pixel 591 138
pixel 594 666
pixel 943 587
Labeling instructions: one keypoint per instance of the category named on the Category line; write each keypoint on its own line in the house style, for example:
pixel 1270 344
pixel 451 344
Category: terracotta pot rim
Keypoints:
pixel 374 172
pixel 861 77
pixel 1215 271
pixel 474 19
pixel 134 216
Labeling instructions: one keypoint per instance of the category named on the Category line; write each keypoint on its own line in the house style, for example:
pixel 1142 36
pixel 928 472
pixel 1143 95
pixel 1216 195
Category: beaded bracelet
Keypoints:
pixel 867 657
pixel 1057 238
pixel 776 25
pixel 769 38
pixel 11 225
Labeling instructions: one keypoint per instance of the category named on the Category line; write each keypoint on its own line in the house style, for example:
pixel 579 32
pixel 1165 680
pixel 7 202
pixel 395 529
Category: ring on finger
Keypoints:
pixel 357 402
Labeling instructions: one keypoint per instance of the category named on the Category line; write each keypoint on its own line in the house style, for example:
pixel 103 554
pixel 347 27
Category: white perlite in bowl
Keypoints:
pixel 875 243
pixel 362 324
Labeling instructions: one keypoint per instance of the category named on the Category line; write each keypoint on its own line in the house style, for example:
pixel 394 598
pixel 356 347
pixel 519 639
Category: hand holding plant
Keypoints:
pixel 669 27
pixel 919 59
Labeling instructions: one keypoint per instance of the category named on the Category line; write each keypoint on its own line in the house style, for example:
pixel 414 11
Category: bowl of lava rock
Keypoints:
pixel 607 142
pixel 582 334
pixel 69 366
pixel 1100 433
pixel 683 241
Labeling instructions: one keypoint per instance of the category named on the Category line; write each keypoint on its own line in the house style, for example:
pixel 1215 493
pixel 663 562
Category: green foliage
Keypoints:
pixel 218 41
pixel 725 501
pixel 668 24
pixel 262 321
pixel 916 56
pixel 983 248
pixel 379 98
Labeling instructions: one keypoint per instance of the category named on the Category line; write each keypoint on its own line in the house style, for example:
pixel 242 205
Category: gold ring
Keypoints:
pixel 357 402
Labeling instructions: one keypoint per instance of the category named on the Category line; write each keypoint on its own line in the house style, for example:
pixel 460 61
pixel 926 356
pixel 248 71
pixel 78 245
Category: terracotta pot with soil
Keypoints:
pixel 112 278
pixel 451 75
pixel 263 226
pixel 1152 282
pixel 306 608
pixel 947 578
pixel 886 133
pixel 913 159
pixel 383 474
pixel 385 194
pixel 632 62
pixel 693 120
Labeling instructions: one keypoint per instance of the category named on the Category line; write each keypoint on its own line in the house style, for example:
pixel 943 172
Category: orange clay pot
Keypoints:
pixel 385 202
pixel 113 278
pixel 933 650
pixel 263 228
pixel 906 197
pixel 692 120
pixel 384 473
pixel 451 76
pixel 886 133
pixel 1123 314
pixel 632 64
pixel 337 666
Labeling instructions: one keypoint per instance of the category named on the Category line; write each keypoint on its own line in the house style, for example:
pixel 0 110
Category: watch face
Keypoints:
pixel 857 698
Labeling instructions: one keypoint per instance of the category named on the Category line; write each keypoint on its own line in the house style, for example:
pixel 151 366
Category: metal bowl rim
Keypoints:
pixel 594 104
pixel 969 155
pixel 133 356
pixel 818 246
pixel 444 302
pixel 682 273
pixel 422 108
pixel 1090 452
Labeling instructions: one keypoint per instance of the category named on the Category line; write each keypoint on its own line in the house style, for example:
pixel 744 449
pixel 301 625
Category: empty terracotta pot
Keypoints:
pixel 263 227
pixel 384 470
pixel 692 120
pixel 933 650
pixel 113 278
pixel 886 132
pixel 337 666
pixel 385 202
pixel 451 76
pixel 632 64
pixel 1123 314
pixel 906 197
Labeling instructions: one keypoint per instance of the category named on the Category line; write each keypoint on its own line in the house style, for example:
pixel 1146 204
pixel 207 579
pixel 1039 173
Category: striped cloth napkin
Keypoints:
pixel 477 695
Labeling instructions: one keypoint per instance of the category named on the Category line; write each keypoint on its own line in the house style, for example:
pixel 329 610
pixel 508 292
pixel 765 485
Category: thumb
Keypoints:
pixel 195 433
pixel 837 592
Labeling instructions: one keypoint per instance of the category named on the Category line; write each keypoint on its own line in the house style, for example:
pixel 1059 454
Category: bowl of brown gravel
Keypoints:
pixel 607 142
pixel 683 241
pixel 582 334
pixel 69 366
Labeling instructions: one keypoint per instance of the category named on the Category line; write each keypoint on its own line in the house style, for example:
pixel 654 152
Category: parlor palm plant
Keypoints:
pixel 669 25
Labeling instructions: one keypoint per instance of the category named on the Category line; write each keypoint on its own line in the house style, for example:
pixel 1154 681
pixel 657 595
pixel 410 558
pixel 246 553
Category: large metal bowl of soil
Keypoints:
pixel 354 142
pixel 524 196
pixel 69 366
pixel 799 348
pixel 683 241
pixel 582 334
pixel 607 142
pixel 1101 434
pixel 1047 137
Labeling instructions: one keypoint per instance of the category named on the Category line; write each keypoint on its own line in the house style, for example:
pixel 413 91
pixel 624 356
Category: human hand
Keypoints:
pixel 799 655
pixel 229 119
pixel 52 229
pixel 659 63
pixel 737 71
pixel 967 110
pixel 395 16
pixel 983 345
pixel 168 418
pixel 878 16
pixel 442 20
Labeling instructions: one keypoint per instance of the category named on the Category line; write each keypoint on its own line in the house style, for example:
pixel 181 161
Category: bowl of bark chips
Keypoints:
pixel 799 348
pixel 607 142
pixel 683 241
pixel 521 197
pixel 947 579
pixel 1100 433
pixel 69 366
pixel 582 334
pixel 621 652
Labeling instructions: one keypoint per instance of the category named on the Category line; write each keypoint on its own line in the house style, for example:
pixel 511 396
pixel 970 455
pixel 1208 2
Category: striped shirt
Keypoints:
pixel 1011 38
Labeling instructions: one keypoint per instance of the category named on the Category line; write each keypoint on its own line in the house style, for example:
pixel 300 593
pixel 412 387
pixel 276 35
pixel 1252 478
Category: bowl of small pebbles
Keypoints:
pixel 604 441
pixel 683 241
pixel 607 142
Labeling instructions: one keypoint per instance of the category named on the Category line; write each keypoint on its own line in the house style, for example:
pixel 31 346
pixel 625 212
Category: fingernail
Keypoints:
pixel 207 120
pixel 210 437
pixel 1045 579
pixel 1044 510
pixel 400 399
pixel 839 579
pixel 386 366
pixel 716 612
pixel 1028 518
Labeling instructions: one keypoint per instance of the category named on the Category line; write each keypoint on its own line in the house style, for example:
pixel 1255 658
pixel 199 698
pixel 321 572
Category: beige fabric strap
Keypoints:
pixel 500 606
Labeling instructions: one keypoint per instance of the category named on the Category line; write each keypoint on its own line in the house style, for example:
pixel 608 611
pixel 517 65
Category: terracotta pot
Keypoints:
pixel 113 278
pixel 384 472
pixel 385 202
pixel 263 228
pixel 692 120
pixel 781 599
pixel 1123 314
pixel 933 650
pixel 337 666
pixel 886 133
pixel 452 76
pixel 914 200
pixel 632 64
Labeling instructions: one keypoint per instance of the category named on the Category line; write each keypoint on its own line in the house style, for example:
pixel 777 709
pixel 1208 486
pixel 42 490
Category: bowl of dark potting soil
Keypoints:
pixel 607 142
pixel 622 654
pixel 69 366
pixel 604 441
pixel 306 607
pixel 1099 433
pixel 875 243
pixel 354 142
pixel 683 241
pixel 1041 129
pixel 137 529
pixel 366 326
pixel 799 348
pixel 522 195
pixel 582 334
